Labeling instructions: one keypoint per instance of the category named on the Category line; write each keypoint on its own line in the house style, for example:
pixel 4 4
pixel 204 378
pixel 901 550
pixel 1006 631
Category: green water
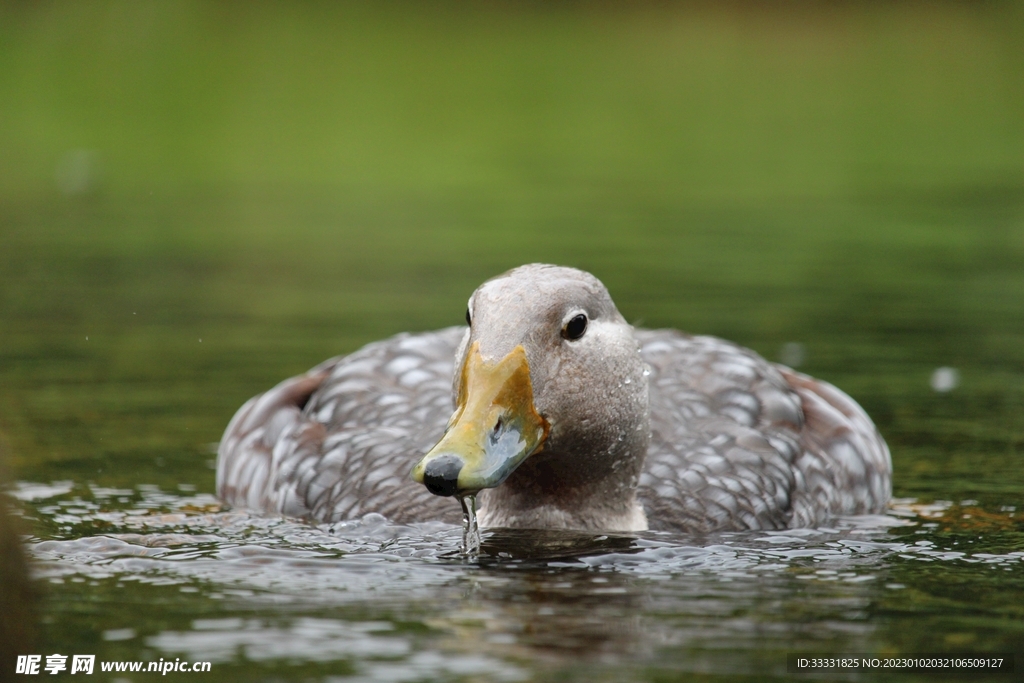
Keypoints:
pixel 198 200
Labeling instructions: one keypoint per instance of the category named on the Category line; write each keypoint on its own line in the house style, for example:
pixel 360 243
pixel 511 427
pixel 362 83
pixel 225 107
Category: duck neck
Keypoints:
pixel 561 489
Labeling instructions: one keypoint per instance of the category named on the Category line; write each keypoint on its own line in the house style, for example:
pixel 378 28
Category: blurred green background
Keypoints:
pixel 200 199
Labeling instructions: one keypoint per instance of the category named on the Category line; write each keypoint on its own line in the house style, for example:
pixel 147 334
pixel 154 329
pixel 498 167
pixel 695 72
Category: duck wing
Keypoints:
pixel 338 442
pixel 741 443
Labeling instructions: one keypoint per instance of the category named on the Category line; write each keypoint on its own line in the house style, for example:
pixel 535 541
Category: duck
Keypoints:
pixel 551 411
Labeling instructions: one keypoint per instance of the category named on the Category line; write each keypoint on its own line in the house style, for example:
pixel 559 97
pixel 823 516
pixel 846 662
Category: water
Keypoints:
pixel 470 530
pixel 173 575
pixel 196 204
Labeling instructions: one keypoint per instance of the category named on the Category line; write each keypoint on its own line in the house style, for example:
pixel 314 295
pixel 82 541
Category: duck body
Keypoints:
pixel 618 429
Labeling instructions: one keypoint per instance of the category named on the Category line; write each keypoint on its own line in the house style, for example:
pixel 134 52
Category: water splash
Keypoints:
pixel 470 529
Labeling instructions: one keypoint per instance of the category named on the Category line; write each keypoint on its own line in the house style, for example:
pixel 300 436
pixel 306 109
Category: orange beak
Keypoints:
pixel 494 428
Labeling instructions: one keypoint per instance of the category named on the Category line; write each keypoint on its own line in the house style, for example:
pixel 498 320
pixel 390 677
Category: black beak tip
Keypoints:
pixel 441 475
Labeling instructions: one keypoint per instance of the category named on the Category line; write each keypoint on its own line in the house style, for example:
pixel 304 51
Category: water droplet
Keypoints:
pixel 470 529
pixel 945 379
pixel 628 381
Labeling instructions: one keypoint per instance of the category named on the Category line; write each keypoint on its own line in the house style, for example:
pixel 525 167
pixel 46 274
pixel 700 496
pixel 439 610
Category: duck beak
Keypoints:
pixel 494 428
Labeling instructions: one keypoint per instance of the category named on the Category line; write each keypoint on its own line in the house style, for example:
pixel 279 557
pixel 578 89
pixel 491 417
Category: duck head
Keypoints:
pixel 551 403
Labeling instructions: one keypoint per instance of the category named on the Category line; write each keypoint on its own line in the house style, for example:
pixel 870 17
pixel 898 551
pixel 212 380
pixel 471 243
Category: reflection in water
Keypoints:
pixel 324 640
pixel 384 599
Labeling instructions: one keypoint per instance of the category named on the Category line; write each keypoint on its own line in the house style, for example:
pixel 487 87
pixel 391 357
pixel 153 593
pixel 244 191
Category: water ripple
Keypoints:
pixel 279 589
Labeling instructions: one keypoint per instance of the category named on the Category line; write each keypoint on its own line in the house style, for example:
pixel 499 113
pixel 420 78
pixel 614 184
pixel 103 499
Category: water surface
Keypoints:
pixel 173 575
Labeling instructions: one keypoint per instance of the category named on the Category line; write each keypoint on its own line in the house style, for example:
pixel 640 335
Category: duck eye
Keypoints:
pixel 469 320
pixel 575 328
